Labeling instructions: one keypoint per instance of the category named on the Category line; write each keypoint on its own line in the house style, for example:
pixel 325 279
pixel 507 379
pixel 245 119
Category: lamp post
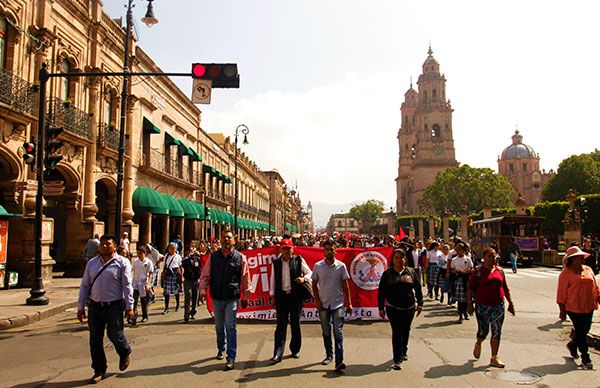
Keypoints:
pixel 149 20
pixel 244 130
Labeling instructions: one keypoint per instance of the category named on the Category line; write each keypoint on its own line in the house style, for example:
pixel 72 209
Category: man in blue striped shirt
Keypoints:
pixel 106 285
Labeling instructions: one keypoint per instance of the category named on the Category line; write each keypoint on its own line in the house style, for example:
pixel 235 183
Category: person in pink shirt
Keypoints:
pixel 227 277
pixel 578 296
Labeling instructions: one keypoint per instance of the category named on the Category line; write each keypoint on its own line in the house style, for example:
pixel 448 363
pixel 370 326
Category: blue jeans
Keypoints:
pixel 109 318
pixel 513 261
pixel 225 325
pixel 336 316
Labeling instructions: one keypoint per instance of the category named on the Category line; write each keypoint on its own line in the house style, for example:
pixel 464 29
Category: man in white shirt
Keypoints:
pixel 288 272
pixel 124 243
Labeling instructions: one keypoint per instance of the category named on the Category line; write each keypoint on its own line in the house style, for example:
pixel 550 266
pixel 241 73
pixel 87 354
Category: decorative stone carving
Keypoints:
pixel 107 165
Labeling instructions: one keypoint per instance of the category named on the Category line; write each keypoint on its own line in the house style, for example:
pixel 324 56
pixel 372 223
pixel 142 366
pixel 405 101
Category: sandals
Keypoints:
pixel 477 350
pixel 495 362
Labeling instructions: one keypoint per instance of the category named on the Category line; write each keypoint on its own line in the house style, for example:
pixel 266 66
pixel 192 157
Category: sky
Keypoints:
pixel 322 81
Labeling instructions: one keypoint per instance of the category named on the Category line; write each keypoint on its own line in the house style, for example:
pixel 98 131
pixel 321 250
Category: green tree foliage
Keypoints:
pixel 554 214
pixel 578 172
pixel 368 212
pixel 466 189
pixel 590 213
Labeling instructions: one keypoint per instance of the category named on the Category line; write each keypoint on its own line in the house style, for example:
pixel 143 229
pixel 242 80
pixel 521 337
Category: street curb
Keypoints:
pixel 27 319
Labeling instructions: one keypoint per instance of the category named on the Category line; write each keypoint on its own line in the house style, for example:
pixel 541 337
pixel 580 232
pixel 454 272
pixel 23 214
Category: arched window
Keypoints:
pixel 425 96
pixel 433 94
pixel 3 34
pixel 436 131
pixel 65 86
pixel 340 224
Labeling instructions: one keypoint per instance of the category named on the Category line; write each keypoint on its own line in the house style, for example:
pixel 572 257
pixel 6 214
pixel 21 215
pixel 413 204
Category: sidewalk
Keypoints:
pixel 62 292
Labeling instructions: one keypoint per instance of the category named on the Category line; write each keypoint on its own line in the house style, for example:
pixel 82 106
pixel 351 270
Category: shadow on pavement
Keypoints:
pixel 173 369
pixel 60 384
pixel 437 324
pixel 553 369
pixel 468 367
pixel 556 325
pixel 351 370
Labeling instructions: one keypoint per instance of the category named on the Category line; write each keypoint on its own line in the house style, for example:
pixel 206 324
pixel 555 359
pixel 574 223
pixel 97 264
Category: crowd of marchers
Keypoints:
pixel 113 286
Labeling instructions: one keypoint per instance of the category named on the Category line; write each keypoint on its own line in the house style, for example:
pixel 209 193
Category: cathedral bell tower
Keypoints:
pixel 425 136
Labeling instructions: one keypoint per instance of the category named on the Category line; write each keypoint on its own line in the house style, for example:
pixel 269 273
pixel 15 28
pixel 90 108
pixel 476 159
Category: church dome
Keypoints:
pixel 517 149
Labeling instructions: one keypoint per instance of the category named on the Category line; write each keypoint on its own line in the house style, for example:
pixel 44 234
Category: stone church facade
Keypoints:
pixel 425 136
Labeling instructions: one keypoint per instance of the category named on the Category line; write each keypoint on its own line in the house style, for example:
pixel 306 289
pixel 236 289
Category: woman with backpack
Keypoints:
pixel 488 289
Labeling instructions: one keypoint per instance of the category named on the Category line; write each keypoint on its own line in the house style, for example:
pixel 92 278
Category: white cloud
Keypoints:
pixel 338 141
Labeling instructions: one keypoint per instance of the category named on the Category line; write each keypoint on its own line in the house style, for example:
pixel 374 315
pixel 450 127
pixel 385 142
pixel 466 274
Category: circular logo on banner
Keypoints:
pixel 366 269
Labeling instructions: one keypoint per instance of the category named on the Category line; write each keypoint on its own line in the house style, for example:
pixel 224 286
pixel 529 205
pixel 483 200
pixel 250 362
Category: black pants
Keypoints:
pixel 144 300
pixel 288 309
pixel 190 298
pixel 109 318
pixel 582 322
pixel 400 320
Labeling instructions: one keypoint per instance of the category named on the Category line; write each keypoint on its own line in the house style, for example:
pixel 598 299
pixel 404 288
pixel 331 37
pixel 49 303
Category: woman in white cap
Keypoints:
pixel 578 296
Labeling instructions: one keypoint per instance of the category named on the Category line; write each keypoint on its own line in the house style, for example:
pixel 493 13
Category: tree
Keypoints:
pixel 367 213
pixel 465 189
pixel 578 172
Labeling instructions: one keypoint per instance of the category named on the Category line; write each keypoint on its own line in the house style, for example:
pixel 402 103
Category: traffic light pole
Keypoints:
pixel 37 292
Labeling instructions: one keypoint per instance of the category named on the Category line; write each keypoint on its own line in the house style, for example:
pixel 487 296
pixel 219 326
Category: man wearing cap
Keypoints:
pixel 578 296
pixel 288 272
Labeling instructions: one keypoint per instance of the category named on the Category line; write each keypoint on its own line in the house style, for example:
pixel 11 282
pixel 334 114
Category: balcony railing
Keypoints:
pixel 108 136
pixel 17 93
pixel 156 160
pixel 72 119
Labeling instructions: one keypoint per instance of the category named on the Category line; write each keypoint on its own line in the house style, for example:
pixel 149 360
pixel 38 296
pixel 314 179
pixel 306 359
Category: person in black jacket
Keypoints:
pixel 400 295
pixel 288 272
pixel 191 274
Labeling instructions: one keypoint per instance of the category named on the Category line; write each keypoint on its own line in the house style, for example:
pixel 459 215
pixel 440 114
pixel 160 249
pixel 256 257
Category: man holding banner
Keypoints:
pixel 288 273
pixel 227 275
pixel 331 290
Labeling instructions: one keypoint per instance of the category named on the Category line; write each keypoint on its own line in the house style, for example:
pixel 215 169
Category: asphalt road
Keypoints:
pixel 166 352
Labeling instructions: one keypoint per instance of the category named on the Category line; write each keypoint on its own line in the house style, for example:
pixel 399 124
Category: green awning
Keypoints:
pixel 272 228
pixel 4 213
pixel 208 169
pixel 170 140
pixel 201 210
pixel 229 218
pixel 217 216
pixel 190 209
pixel 195 156
pixel 149 127
pixel 175 209
pixel 146 200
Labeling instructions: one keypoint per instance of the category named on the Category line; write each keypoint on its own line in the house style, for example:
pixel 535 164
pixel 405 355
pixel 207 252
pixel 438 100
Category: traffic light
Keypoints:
pixel 29 155
pixel 52 146
pixel 222 75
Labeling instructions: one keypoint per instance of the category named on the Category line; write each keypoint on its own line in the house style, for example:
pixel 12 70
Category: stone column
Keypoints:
pixel 421 227
pixel 146 236
pixel 166 228
pixel 130 155
pixel 411 230
pixel 445 226
pixel 431 225
pixel 572 221
pixel 464 230
pixel 89 189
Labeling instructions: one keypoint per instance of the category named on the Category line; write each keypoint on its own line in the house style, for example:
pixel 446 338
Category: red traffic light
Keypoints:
pixel 29 147
pixel 198 70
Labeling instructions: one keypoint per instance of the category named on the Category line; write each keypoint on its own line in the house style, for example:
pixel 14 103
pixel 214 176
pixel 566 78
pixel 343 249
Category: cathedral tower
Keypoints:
pixel 425 136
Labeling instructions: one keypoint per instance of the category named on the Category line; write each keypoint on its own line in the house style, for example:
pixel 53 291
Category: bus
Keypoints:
pixel 526 230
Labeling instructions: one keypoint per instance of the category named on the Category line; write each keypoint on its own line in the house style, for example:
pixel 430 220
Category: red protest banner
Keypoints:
pixel 365 266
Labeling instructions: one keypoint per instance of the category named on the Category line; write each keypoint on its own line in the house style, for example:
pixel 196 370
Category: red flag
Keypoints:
pixel 401 235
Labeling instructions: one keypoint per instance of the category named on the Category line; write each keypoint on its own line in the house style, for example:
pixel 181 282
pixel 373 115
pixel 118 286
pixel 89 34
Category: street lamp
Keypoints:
pixel 149 20
pixel 244 130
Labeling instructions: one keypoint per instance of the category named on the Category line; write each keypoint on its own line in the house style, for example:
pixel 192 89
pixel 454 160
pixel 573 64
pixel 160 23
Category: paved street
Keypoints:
pixel 54 352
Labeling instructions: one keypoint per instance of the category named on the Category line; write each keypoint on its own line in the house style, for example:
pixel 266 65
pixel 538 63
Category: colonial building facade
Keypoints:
pixel 521 165
pixel 425 136
pixel 178 179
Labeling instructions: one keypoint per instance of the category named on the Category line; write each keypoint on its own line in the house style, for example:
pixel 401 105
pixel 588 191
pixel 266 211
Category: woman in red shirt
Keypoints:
pixel 578 296
pixel 488 284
